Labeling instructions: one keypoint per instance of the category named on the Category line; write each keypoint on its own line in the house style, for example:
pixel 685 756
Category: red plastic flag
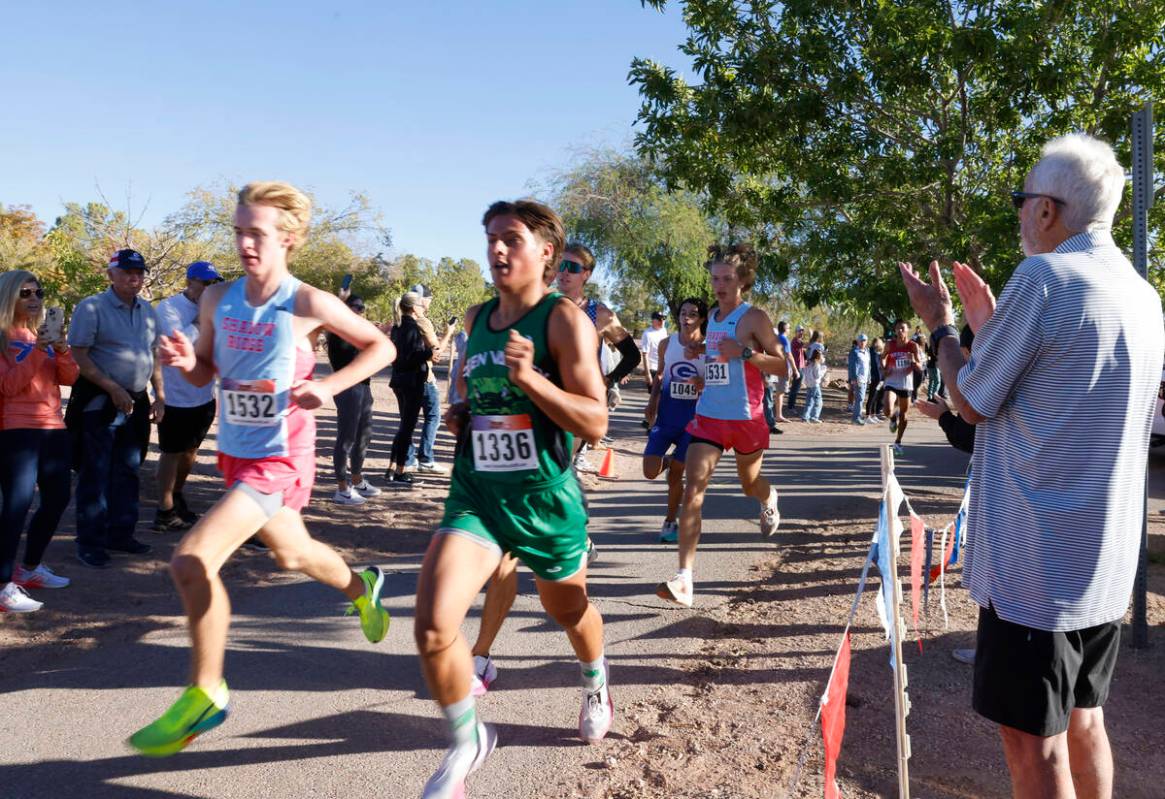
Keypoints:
pixel 833 717
pixel 917 554
pixel 935 571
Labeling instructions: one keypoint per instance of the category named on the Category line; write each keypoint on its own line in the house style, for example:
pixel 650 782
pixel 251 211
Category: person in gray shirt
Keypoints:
pixel 113 336
pixel 1058 471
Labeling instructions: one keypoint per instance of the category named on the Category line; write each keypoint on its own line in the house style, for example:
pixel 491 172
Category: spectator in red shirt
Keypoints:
pixel 35 450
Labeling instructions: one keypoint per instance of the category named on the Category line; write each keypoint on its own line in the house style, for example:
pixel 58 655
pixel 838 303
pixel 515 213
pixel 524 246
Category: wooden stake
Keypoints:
pixel 901 700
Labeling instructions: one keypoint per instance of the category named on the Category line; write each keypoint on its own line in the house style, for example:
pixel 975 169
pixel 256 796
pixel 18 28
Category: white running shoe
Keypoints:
pixel 347 498
pixel 484 673
pixel 432 467
pixel 583 465
pixel 677 590
pixel 596 714
pixel 448 781
pixel 13 599
pixel 770 518
pixel 40 577
pixel 366 489
pixel 966 656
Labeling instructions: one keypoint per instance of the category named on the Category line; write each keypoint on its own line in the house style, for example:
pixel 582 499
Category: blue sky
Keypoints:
pixel 432 109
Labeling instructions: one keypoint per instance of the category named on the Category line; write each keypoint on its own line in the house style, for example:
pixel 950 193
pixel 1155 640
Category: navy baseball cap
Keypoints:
pixel 658 315
pixel 204 271
pixel 128 259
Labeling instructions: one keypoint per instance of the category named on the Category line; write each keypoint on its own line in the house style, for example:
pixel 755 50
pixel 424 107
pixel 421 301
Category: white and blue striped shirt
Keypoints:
pixel 1066 373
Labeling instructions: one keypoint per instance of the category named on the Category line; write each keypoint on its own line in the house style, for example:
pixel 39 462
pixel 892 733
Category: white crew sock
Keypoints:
pixel 686 575
pixel 462 719
pixel 594 673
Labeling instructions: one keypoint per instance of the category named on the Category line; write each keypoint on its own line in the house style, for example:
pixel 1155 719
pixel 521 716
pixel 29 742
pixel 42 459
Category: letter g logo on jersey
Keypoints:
pixel 684 370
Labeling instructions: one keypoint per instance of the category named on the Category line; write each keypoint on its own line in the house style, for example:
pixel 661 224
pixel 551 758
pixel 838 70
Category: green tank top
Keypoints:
pixel 509 440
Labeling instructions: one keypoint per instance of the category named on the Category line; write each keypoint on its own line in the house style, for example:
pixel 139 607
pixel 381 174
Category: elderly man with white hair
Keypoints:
pixel 1059 463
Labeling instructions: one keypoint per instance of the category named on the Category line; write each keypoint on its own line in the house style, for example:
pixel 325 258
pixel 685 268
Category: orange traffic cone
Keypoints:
pixel 607 470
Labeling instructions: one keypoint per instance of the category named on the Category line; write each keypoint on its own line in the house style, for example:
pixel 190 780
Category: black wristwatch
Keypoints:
pixel 746 353
pixel 941 332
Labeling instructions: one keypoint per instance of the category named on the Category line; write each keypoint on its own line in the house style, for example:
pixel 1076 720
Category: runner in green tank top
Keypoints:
pixel 532 384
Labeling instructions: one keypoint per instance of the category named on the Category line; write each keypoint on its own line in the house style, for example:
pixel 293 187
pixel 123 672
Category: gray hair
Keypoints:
pixel 1082 172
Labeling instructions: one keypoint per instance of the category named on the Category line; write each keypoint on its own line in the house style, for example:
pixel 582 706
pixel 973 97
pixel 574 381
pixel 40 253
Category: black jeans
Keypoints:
pixel 107 482
pixel 408 401
pixel 874 398
pixel 353 429
pixel 32 459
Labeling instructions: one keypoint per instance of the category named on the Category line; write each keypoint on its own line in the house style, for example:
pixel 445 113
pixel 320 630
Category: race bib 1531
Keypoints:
pixel 715 372
pixel 504 443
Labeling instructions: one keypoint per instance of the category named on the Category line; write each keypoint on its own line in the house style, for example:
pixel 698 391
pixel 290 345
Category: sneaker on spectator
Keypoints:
pixel 168 520
pixel 183 510
pixel 14 599
pixel 403 480
pixel 348 497
pixel 366 489
pixel 432 467
pixel 40 577
pixel 130 546
pixel 94 558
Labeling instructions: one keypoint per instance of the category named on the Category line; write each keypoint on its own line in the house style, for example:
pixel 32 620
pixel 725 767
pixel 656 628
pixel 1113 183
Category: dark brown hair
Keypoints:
pixel 741 257
pixel 542 222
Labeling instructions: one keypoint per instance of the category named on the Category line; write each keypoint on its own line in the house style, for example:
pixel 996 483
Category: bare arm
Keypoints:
pixel 330 312
pixel 580 406
pixel 768 354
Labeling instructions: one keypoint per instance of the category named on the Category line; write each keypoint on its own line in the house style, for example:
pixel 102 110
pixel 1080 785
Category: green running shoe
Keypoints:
pixel 193 714
pixel 374 619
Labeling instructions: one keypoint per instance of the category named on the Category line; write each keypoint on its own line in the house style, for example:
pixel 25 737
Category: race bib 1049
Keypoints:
pixel 683 391
pixel 715 372
pixel 250 403
pixel 504 443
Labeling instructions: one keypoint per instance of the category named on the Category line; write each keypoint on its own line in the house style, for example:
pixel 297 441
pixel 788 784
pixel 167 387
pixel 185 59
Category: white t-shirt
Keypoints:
pixel 649 344
pixel 179 313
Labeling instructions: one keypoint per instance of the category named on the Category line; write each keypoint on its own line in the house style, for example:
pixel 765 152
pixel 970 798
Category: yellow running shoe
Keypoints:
pixel 374 619
pixel 193 714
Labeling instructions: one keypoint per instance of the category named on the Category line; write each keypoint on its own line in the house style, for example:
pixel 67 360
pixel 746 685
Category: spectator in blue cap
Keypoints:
pixel 114 339
pixel 190 409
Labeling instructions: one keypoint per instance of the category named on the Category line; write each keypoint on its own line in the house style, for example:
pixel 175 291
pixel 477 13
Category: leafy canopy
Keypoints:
pixel 850 135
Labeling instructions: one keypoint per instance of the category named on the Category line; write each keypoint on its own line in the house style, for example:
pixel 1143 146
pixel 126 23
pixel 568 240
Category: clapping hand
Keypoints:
pixel 932 302
pixel 976 296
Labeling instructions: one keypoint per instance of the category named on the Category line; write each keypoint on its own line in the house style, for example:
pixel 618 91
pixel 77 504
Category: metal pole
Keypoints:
pixel 1142 199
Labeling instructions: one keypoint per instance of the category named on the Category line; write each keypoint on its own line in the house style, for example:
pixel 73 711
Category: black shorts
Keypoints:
pixel 182 429
pixel 901 392
pixel 1032 680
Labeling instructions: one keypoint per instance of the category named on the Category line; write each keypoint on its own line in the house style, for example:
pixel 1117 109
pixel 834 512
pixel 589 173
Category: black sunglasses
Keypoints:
pixel 1018 197
pixel 26 293
pixel 570 266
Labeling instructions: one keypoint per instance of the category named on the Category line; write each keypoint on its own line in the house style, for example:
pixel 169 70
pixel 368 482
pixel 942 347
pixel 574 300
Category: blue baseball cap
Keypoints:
pixel 862 337
pixel 128 259
pixel 203 270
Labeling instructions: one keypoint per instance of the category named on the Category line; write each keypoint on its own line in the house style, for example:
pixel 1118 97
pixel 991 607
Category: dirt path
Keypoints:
pixel 712 702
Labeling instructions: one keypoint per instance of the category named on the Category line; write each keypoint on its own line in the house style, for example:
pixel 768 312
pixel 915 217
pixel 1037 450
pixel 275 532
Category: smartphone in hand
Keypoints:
pixel 53 326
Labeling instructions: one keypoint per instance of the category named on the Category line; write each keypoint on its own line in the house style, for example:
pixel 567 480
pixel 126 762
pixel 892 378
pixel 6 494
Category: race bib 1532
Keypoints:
pixel 504 443
pixel 250 402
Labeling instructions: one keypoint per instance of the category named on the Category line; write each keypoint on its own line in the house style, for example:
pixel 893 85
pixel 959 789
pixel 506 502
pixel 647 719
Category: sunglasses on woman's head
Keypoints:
pixel 570 266
pixel 26 293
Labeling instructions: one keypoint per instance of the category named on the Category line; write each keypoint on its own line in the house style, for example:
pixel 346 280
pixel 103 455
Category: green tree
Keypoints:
pixel 847 136
pixel 653 241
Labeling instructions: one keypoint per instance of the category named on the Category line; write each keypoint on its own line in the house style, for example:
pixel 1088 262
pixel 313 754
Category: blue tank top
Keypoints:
pixel 677 391
pixel 256 357
pixel 726 392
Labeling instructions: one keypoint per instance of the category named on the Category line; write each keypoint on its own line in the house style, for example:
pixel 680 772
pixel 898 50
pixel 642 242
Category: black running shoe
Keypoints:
pixel 130 546
pixel 183 510
pixel 403 481
pixel 168 520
